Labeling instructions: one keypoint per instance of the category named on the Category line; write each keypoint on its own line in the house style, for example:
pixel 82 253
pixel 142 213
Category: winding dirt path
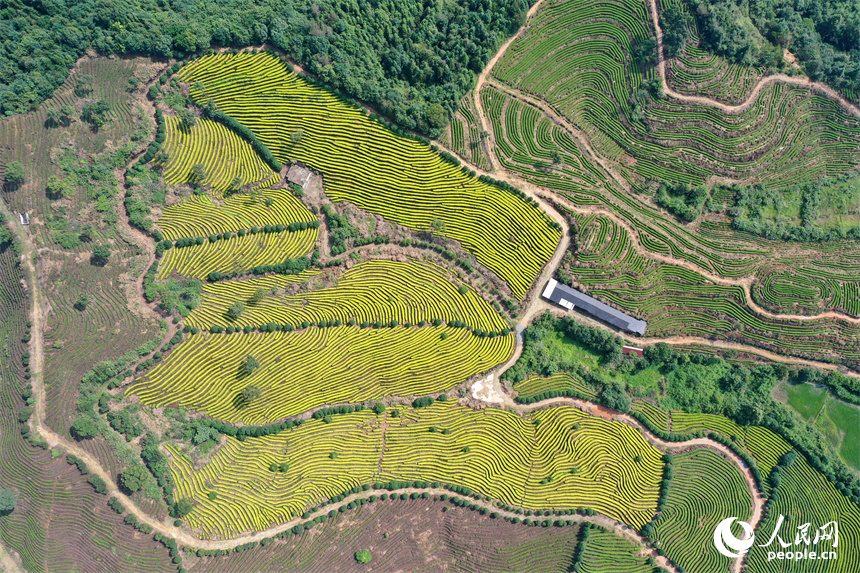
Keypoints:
pixel 482 77
pixel 762 83
pixel 536 305
pixel 745 283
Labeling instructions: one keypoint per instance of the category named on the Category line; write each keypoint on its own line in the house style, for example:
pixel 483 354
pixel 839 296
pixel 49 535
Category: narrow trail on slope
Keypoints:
pixel 537 304
pixel 745 283
pixel 762 83
pixel 482 77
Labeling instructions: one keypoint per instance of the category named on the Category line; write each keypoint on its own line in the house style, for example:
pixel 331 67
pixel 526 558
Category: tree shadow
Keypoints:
pixel 239 402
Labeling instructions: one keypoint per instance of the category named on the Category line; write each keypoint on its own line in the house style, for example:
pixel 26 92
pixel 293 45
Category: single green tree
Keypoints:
pixel 57 187
pixel 437 116
pixel 8 501
pixel 83 428
pixel 250 365
pixel 101 254
pixel 87 233
pixel 463 289
pixel 363 556
pixel 53 116
pixel 134 478
pixel 235 311
pixel 15 173
pixel 98 483
pixel 84 85
pixel 82 302
pixel 251 393
pixel 235 186
pixel 296 136
pixel 379 408
pixel 555 156
pixel 161 158
pixel 183 507
pixel 258 296
pixel 438 226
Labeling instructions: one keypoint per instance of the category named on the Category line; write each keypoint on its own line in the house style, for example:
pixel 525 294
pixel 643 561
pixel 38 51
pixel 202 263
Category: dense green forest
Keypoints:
pixel 406 57
pixel 824 35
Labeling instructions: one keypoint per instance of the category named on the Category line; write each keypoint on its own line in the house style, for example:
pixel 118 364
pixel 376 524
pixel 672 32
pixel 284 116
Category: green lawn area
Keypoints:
pixel 838 421
pixel 806 399
pixel 847 419
pixel 645 381
pixel 571 351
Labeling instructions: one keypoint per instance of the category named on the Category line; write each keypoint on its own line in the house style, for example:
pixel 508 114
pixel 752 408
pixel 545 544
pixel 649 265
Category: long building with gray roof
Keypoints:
pixel 569 298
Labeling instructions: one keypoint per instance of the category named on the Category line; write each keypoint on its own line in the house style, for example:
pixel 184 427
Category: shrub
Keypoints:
pixel 249 366
pixel 363 556
pixel 98 483
pixel 15 173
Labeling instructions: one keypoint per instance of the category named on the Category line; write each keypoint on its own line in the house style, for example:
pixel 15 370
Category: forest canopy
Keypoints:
pixel 402 56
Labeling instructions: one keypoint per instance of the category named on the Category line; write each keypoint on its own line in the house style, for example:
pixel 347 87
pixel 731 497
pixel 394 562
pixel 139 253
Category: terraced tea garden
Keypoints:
pixel 606 552
pixel 677 300
pixel 315 366
pixel 386 329
pixel 576 59
pixel 805 496
pixel 377 290
pixel 561 458
pixel 696 72
pixel 462 540
pixel 228 253
pixel 365 164
pixel 465 136
pixel 574 63
pixel 705 489
pixel 223 155
pixel 199 216
pixel 711 246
